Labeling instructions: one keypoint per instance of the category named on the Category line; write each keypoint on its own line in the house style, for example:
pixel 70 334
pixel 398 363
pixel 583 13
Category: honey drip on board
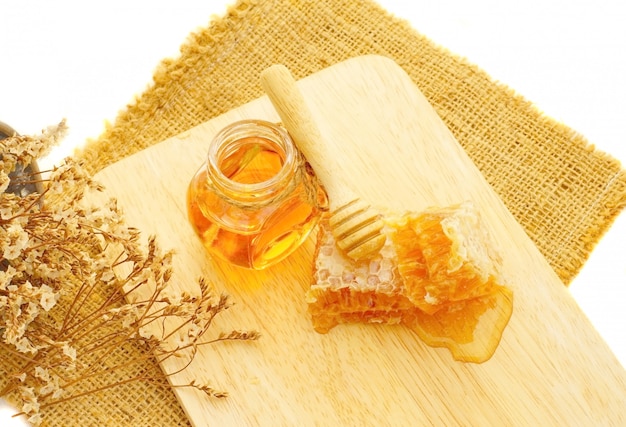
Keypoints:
pixel 250 237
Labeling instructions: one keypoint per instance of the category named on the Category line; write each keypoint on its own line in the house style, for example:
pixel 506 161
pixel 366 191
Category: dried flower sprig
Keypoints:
pixel 78 289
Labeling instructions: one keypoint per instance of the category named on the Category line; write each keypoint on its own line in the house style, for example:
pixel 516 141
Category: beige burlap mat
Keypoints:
pixel 561 190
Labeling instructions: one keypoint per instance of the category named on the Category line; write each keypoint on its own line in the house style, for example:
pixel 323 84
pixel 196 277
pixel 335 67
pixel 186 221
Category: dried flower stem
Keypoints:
pixel 78 291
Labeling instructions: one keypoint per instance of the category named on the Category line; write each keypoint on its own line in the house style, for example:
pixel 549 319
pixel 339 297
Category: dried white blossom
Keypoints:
pixel 16 241
pixel 30 403
pixel 145 332
pixel 23 345
pixel 35 419
pixel 48 298
pixel 69 351
pixel 4 184
pixel 42 373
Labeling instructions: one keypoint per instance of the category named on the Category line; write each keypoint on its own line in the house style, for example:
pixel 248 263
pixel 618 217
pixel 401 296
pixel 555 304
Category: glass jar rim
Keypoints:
pixel 233 134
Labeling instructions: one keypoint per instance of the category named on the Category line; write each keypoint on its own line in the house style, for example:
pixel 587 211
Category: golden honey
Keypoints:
pixel 255 200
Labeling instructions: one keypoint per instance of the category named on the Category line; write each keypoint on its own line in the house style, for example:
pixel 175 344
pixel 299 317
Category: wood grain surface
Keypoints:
pixel 387 143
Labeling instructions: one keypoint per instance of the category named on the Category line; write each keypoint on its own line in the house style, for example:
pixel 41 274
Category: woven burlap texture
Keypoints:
pixel 563 192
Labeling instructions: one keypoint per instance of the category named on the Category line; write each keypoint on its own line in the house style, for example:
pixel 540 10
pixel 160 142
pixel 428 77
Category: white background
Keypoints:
pixel 84 61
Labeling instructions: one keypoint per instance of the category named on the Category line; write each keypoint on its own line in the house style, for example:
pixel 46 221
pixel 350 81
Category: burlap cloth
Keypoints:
pixel 564 193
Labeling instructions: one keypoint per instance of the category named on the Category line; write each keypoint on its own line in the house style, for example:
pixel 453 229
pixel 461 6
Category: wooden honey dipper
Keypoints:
pixel 354 224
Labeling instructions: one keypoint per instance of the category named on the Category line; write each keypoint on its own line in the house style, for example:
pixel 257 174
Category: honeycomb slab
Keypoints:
pixel 438 274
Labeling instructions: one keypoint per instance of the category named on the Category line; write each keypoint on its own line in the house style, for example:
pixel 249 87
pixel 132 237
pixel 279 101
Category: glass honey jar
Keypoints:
pixel 255 200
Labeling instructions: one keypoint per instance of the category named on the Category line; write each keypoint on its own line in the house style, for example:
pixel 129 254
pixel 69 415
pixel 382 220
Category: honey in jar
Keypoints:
pixel 255 200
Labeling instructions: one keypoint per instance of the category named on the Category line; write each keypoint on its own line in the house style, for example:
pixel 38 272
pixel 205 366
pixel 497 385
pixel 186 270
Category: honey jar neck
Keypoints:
pixel 252 162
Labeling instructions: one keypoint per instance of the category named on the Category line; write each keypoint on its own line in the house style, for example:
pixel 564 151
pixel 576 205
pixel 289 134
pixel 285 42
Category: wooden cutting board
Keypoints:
pixel 551 368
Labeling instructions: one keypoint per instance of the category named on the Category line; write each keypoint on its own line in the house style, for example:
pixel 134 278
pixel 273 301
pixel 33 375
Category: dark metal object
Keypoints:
pixel 24 180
